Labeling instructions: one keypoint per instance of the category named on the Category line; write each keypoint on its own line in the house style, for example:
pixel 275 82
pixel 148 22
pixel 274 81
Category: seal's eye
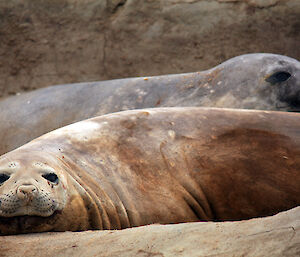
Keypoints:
pixel 52 177
pixel 3 178
pixel 278 77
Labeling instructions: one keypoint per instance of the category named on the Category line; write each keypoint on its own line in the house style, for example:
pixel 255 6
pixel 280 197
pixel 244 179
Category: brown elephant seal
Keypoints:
pixel 253 81
pixel 161 165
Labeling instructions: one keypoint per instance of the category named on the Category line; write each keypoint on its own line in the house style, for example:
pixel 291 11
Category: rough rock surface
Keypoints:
pixel 64 41
pixel 274 236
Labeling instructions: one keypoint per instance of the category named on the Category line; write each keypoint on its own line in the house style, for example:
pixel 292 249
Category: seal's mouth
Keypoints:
pixel 290 106
pixel 288 109
pixel 294 110
pixel 27 223
pixel 294 107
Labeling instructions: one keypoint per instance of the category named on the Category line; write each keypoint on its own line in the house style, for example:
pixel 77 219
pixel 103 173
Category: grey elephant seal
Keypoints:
pixel 161 165
pixel 253 81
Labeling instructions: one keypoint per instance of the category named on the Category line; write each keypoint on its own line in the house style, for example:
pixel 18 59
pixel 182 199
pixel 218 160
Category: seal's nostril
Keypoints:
pixel 25 191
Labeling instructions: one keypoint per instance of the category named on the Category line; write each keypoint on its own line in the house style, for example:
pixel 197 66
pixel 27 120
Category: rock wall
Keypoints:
pixel 45 42
pixel 275 236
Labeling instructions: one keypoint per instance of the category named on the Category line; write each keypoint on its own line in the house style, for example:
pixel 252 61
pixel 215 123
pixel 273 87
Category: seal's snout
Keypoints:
pixel 26 191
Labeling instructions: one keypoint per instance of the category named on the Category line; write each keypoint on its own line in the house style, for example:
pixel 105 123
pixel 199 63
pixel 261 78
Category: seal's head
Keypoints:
pixel 282 74
pixel 31 188
pixel 260 81
pixel 36 195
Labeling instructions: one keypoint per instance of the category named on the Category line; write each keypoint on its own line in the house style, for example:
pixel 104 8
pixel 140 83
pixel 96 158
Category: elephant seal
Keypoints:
pixel 160 165
pixel 253 81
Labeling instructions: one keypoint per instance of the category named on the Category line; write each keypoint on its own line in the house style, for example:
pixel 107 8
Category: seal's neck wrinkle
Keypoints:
pixel 95 221
pixel 111 215
pixel 194 194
